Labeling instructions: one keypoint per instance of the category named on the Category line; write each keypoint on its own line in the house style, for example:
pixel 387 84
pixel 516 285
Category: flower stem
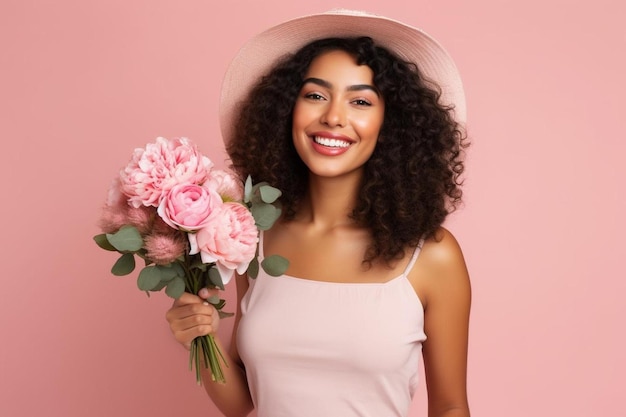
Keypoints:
pixel 206 347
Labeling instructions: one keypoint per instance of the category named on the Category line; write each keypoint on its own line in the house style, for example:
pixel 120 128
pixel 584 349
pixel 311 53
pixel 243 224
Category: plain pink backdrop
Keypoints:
pixel 84 82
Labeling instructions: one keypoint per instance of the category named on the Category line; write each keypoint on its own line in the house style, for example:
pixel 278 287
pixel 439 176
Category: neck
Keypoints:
pixel 330 201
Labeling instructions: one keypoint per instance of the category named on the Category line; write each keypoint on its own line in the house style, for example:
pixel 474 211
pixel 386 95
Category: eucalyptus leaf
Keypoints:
pixel 275 265
pixel 159 287
pixel 224 314
pixel 176 287
pixel 124 265
pixel 269 194
pixel 149 278
pixel 247 190
pixel 127 239
pixel 220 304
pixel 216 278
pixel 253 268
pixel 103 242
pixel 180 271
pixel 264 215
pixel 214 299
pixel 168 272
pixel 255 196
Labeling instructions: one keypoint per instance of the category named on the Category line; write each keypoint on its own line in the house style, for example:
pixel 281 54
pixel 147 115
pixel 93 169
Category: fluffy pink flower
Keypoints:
pixel 229 240
pixel 155 169
pixel 141 217
pixel 189 206
pixel 162 228
pixel 115 197
pixel 164 249
pixel 112 219
pixel 226 185
pixel 114 213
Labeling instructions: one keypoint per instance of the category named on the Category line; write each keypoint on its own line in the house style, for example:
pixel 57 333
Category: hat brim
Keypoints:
pixel 261 53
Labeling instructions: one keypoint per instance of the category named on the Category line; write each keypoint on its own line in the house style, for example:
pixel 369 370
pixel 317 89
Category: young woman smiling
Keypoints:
pixel 361 129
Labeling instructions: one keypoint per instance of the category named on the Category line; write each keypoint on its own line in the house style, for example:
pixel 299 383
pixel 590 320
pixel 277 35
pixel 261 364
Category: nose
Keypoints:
pixel 334 114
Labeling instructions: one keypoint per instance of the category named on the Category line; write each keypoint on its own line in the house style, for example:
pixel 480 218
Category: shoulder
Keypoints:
pixel 442 250
pixel 444 282
pixel 440 268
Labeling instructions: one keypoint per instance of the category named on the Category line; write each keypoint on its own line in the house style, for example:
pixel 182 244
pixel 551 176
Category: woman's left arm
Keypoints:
pixel 447 297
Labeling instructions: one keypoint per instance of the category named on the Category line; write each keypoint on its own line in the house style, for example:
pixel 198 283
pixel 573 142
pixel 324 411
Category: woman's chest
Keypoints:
pixel 372 327
pixel 331 257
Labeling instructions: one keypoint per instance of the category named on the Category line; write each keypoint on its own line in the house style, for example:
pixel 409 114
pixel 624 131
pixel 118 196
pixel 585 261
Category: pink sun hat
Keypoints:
pixel 262 52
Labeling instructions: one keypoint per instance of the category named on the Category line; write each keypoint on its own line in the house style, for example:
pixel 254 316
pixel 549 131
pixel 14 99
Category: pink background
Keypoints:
pixel 85 82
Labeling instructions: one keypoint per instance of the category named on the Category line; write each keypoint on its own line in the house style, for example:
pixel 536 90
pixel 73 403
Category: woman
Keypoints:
pixel 358 121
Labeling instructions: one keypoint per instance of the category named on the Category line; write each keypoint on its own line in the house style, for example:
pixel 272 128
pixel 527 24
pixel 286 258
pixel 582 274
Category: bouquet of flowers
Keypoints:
pixel 192 225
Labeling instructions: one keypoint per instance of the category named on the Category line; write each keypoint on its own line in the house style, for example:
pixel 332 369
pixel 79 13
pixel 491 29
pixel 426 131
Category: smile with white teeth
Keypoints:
pixel 331 143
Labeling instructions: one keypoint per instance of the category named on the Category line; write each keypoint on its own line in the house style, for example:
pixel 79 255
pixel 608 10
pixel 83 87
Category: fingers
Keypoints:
pixel 187 298
pixel 191 317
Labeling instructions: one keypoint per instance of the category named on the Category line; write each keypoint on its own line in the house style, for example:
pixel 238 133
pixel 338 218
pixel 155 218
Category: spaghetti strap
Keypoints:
pixel 261 245
pixel 416 253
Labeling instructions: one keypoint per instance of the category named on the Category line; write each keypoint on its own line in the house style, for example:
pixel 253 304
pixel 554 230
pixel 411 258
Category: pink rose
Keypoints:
pixel 229 240
pixel 226 185
pixel 189 206
pixel 153 171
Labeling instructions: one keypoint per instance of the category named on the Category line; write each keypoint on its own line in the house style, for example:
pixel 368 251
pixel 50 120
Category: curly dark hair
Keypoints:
pixel 412 180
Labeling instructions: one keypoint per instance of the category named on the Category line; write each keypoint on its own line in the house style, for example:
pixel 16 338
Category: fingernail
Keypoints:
pixel 206 303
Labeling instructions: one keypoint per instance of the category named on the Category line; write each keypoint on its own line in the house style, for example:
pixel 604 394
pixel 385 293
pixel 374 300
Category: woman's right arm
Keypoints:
pixel 191 317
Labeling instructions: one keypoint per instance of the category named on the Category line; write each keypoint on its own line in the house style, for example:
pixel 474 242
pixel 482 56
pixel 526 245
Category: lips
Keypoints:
pixel 330 145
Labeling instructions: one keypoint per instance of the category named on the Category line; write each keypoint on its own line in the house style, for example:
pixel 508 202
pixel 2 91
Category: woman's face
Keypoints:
pixel 337 116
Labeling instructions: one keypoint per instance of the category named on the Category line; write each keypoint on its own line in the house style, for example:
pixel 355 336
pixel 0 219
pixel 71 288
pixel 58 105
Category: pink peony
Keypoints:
pixel 153 171
pixel 189 206
pixel 164 249
pixel 229 240
pixel 226 185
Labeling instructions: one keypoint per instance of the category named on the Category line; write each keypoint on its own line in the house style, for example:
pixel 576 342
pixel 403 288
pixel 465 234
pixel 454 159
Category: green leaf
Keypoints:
pixel 214 299
pixel 126 239
pixel 124 265
pixel 169 272
pixel 103 242
pixel 275 265
pixel 216 278
pixel 159 287
pixel 176 287
pixel 264 215
pixel 253 268
pixel 255 196
pixel 269 194
pixel 247 190
pixel 224 314
pixel 179 269
pixel 149 278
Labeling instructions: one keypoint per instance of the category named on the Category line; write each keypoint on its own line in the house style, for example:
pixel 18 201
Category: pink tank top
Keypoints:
pixel 318 349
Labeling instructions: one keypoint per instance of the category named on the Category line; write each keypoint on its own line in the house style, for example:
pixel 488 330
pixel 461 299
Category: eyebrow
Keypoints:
pixel 355 87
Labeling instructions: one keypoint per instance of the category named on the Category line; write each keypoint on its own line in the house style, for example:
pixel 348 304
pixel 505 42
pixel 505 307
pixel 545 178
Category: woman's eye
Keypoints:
pixel 314 96
pixel 361 102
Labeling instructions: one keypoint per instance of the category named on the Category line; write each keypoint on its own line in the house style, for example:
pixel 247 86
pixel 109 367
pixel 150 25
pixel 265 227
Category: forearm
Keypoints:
pixel 450 412
pixel 233 397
